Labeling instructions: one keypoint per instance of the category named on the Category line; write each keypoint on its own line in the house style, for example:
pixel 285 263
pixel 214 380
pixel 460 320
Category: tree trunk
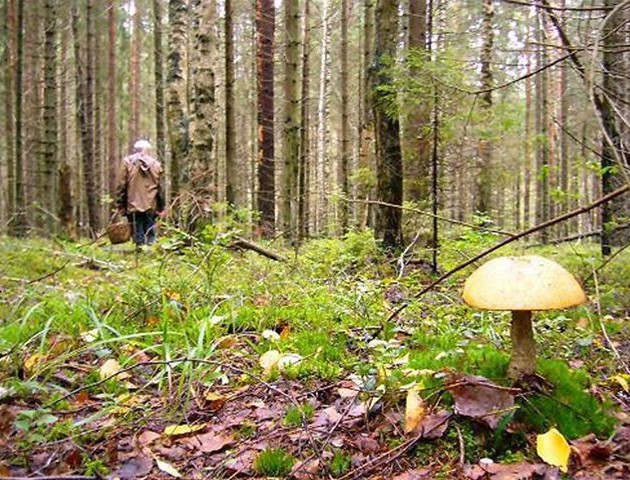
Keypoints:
pixel 527 175
pixel 158 49
pixel 134 77
pixel 176 93
pixel 9 106
pixel 345 140
pixel 19 223
pixel 614 161
pixel 86 120
pixel 322 166
pixel 290 134
pixel 418 138
pixel 304 166
pixel 49 140
pixel 112 127
pixel 388 151
pixel 366 134
pixel 265 28
pixel 203 167
pixel 542 147
pixel 232 184
pixel 483 193
pixel 65 203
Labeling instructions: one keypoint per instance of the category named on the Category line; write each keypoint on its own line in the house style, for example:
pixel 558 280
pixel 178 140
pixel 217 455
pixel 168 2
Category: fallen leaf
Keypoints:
pixel 225 342
pixel 269 360
pixel 623 381
pixel 434 425
pixel 553 448
pixel 270 335
pixel 415 474
pixel 147 437
pixel 209 442
pixel 167 468
pixel 178 430
pixel 110 369
pixel 288 360
pixel 347 392
pixel 415 410
pixel 139 466
pixel 90 335
pixel 479 398
pixel 214 401
pixel 33 361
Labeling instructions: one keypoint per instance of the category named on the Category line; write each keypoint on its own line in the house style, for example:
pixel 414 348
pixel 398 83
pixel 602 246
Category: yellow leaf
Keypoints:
pixel 415 411
pixel 553 448
pixel 176 430
pixel 110 369
pixel 623 381
pixel 269 360
pixel 168 468
pixel 33 361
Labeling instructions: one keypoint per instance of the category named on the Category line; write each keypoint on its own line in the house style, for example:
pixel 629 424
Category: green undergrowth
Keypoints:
pixel 184 298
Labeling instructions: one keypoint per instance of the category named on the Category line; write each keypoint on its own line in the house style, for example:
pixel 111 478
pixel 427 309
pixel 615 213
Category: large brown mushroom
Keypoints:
pixel 522 285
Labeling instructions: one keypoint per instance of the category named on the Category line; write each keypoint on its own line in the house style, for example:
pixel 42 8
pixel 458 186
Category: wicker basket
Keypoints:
pixel 119 232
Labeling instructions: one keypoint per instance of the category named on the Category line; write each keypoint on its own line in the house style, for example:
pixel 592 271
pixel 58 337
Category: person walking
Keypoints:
pixel 140 194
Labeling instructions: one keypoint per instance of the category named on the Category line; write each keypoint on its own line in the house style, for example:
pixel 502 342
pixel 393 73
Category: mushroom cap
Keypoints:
pixel 529 282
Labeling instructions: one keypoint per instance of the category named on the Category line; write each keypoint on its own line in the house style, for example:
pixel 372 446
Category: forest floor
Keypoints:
pixel 194 360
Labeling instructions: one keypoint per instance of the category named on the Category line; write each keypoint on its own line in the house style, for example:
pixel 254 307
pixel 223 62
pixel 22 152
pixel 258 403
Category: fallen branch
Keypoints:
pixel 503 243
pixel 244 244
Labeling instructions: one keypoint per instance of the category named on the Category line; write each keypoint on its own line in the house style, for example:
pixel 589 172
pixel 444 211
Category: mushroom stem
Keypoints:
pixel 523 361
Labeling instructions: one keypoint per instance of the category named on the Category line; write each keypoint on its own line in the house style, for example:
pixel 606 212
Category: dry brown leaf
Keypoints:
pixel 479 398
pixel 147 437
pixel 110 369
pixel 139 466
pixel 209 442
pixel 415 474
pixel 415 410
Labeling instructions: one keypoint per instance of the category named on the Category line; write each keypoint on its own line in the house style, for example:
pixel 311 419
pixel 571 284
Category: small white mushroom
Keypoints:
pixel 522 285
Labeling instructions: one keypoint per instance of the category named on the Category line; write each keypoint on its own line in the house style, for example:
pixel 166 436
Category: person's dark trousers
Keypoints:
pixel 143 227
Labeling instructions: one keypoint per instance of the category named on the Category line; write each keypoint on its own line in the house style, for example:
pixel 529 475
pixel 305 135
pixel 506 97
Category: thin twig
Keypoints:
pixel 432 215
pixel 392 454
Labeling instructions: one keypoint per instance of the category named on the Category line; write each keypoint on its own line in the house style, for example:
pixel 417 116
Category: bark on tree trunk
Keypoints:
pixel 112 127
pixel 345 154
pixel 483 191
pixel 176 95
pixel 232 184
pixel 265 28
pixel 304 166
pixel 49 147
pixel 615 162
pixel 366 134
pixel 158 49
pixel 134 78
pixel 9 106
pixel 203 168
pixel 418 131
pixel 19 225
pixel 322 166
pixel 388 152
pixel 291 146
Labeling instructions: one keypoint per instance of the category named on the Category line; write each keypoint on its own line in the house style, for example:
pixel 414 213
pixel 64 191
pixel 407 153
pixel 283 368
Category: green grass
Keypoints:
pixel 328 300
pixel 274 462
